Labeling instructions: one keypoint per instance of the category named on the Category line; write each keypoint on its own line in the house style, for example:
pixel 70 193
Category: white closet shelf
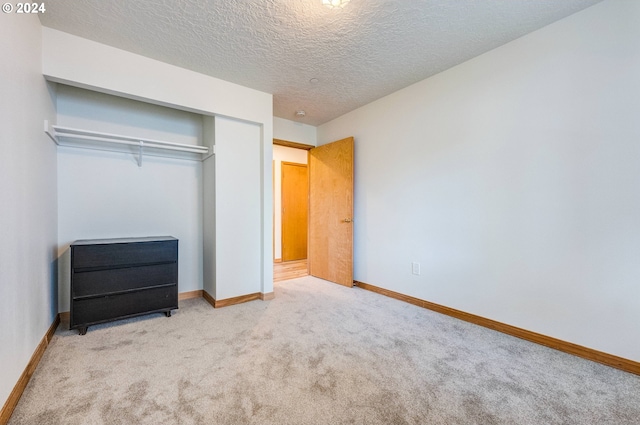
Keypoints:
pixel 74 137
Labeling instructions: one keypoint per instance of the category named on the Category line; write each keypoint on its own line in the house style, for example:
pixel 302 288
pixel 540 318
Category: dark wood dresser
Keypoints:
pixel 117 278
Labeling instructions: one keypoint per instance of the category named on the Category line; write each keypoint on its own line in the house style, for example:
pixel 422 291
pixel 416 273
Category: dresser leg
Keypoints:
pixel 83 330
pixel 168 313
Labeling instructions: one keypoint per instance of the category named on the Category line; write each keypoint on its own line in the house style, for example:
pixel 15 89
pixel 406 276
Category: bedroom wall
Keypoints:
pixel 293 131
pixel 513 180
pixel 28 214
pixel 106 194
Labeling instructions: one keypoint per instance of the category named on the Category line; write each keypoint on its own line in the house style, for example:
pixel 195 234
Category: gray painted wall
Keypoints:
pixel 28 210
pixel 513 180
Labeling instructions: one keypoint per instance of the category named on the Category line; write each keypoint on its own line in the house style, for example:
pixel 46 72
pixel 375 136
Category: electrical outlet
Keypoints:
pixel 415 268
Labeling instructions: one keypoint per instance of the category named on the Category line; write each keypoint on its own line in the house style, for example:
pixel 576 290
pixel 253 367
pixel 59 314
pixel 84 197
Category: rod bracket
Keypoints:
pixel 141 145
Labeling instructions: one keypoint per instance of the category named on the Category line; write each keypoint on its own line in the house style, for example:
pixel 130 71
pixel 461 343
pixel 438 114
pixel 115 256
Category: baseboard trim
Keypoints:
pixel 237 300
pixel 190 294
pixel 557 344
pixel 278 260
pixel 208 298
pixel 267 296
pixel 18 389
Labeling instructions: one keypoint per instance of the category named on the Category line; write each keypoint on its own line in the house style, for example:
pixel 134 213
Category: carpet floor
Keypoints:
pixel 318 353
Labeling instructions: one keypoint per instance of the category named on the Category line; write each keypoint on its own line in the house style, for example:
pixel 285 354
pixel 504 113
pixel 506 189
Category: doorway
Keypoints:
pixel 329 197
pixel 290 212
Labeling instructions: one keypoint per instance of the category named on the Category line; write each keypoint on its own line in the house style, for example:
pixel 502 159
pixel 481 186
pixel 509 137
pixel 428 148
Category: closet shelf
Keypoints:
pixel 139 146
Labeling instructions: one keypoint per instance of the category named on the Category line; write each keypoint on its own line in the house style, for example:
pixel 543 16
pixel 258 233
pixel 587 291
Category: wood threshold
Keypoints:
pixel 190 294
pixel 290 144
pixel 557 344
pixel 18 389
pixel 290 270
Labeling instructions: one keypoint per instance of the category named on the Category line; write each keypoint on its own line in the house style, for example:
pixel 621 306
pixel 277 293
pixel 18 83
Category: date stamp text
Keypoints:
pixel 22 8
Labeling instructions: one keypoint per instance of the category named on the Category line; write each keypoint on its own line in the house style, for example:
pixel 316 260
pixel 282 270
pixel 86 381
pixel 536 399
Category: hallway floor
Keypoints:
pixel 289 270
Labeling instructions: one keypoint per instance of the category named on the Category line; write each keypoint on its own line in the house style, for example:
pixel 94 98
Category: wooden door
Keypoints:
pixel 295 205
pixel 331 212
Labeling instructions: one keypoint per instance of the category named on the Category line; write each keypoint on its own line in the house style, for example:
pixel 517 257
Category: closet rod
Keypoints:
pixel 109 137
pixel 147 144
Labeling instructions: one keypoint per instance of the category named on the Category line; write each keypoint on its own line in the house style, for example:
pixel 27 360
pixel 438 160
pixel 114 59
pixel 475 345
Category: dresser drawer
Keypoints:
pixel 95 310
pixel 103 282
pixel 123 254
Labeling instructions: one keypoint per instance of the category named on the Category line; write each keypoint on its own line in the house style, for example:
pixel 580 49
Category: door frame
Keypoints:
pixel 295 145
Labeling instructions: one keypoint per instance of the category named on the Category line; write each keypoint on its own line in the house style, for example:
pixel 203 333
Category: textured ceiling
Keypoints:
pixel 358 54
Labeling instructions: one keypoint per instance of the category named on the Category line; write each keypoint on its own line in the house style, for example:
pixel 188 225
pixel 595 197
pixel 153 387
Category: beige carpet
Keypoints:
pixel 318 353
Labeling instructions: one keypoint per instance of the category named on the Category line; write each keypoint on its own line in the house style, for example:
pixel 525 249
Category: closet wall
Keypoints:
pixel 105 194
pixel 169 194
pixel 232 210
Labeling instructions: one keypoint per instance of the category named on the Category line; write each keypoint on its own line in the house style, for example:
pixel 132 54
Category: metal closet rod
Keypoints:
pixel 109 137
pixel 138 142
pixel 55 131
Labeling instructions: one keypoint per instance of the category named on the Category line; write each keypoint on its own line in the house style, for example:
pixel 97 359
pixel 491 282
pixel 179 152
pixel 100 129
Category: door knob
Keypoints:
pixel 347 220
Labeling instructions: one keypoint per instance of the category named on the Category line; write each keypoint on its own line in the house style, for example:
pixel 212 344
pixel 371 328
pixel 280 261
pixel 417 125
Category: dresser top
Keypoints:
pixel 123 240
